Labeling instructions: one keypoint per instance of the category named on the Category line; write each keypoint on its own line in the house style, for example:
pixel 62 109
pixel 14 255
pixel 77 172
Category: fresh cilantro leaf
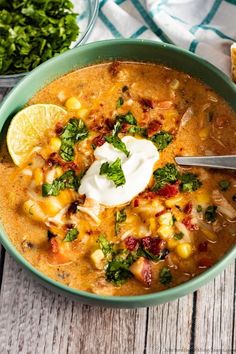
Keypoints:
pixel 136 130
pixel 105 245
pixel 120 216
pixel 164 175
pixel 33 31
pixel 162 140
pixel 114 172
pixel 117 143
pixel 199 208
pixel 117 270
pixel 224 185
pixel 165 276
pixel 116 128
pixel 126 118
pixel 71 235
pixel 178 236
pixel 144 252
pixel 189 182
pixel 210 213
pixel 120 102
pixel 69 180
pixel 74 131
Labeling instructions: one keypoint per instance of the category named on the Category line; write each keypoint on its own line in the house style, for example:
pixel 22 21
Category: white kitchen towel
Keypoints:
pixel 205 27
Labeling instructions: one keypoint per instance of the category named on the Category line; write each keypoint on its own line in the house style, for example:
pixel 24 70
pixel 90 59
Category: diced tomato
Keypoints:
pixel 147 104
pixel 202 247
pixel 98 140
pixel 131 243
pixel 136 202
pixel 153 127
pixel 188 208
pixel 168 191
pixel 205 262
pixel 147 273
pixel 189 224
pixel 59 128
pixel 54 245
pixel 153 244
pixel 124 128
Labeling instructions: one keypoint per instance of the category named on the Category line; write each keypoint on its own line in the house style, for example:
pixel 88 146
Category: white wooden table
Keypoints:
pixel 35 320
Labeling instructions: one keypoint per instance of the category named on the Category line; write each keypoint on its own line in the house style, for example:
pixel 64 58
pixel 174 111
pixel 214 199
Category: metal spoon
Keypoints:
pixel 226 161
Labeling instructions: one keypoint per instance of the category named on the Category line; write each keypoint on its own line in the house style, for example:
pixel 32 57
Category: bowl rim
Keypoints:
pixel 138 300
pixel 80 41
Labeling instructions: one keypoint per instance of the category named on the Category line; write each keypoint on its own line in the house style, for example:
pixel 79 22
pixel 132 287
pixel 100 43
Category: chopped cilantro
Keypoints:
pixel 199 208
pixel 224 185
pixel 165 276
pixel 126 118
pixel 162 140
pixel 164 175
pixel 71 235
pixel 116 128
pixel 117 143
pixel 178 236
pixel 136 130
pixel 210 213
pixel 34 31
pixel 120 216
pixel 117 270
pixel 74 131
pixel 69 180
pixel 144 252
pixel 189 182
pixel 105 245
pixel 114 172
pixel 120 102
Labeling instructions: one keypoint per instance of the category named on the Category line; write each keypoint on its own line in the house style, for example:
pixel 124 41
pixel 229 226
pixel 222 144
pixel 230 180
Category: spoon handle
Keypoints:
pixel 226 161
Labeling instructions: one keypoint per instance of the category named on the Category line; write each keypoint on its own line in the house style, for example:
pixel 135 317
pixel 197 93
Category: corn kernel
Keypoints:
pixel 174 201
pixel 73 103
pixel 34 211
pixel 175 84
pixel 59 171
pixel 97 258
pixel 165 219
pixel 51 206
pixel 83 113
pixel 209 234
pixel 38 176
pixel 184 250
pixel 203 198
pixel 172 244
pixel 65 197
pixel 165 232
pixel 152 224
pixel 55 144
pixel 203 134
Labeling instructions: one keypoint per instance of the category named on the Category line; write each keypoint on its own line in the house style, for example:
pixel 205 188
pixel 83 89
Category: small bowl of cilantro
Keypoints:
pixel 33 31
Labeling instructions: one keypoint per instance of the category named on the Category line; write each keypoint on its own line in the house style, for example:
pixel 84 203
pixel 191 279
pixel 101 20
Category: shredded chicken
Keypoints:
pixel 92 208
pixel 186 117
pixel 223 205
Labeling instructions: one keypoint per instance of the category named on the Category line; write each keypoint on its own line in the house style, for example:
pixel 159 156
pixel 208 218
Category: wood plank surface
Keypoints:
pixel 33 320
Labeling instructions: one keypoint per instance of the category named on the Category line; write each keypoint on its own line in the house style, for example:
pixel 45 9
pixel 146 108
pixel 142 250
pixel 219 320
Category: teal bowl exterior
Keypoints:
pixel 139 50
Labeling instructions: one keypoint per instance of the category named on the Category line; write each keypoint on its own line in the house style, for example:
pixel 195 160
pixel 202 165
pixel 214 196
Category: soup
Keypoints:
pixel 100 204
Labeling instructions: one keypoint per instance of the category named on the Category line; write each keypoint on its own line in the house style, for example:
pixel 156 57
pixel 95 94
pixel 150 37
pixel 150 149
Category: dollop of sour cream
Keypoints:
pixel 137 168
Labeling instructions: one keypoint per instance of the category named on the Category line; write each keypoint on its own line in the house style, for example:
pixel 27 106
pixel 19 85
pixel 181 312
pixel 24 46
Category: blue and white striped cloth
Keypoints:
pixel 206 27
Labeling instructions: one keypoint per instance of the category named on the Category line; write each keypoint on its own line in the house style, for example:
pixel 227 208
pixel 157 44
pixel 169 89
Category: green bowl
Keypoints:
pixel 138 50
